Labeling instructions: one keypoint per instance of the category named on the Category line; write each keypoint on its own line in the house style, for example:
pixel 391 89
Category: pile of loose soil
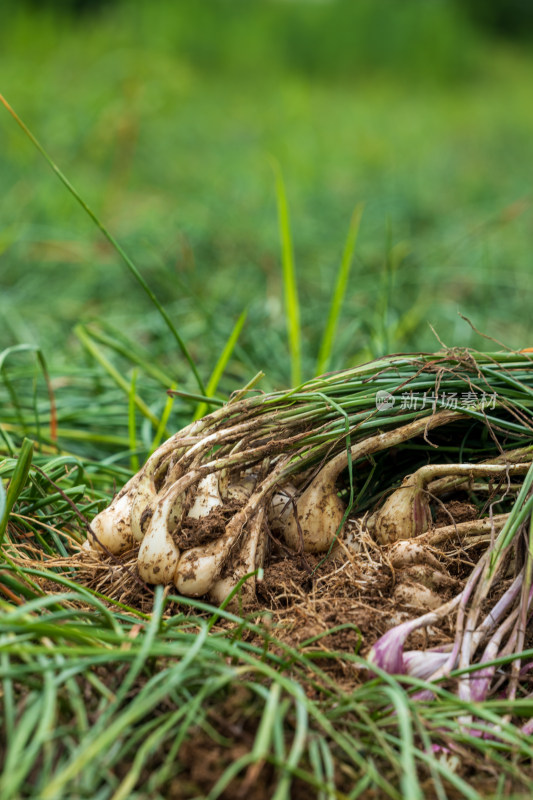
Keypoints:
pixel 340 602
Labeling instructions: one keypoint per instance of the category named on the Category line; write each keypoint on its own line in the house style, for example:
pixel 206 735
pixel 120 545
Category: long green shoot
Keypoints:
pixel 221 364
pixel 339 293
pixel 132 425
pixel 113 242
pixel 290 289
pixel 16 484
pixel 96 352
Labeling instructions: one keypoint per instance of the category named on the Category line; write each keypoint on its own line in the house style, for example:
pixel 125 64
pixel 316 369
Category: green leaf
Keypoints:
pixel 292 305
pixel 16 484
pixel 156 441
pixel 3 500
pixel 111 239
pixel 134 459
pixel 85 338
pixel 30 348
pixel 326 346
pixel 221 364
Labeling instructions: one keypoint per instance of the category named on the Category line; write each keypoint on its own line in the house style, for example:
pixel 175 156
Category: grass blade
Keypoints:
pixel 409 780
pixel 32 348
pixel 290 288
pixel 111 239
pixel 3 500
pixel 191 397
pixel 156 441
pixel 16 484
pixel 134 458
pixel 222 364
pixel 86 340
pixel 128 350
pixel 326 345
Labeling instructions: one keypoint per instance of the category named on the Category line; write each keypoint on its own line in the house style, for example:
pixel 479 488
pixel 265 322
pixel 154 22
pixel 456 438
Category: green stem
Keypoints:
pixel 111 239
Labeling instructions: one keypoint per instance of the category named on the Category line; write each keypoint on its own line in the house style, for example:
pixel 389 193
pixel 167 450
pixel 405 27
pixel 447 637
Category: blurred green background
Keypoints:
pixel 166 116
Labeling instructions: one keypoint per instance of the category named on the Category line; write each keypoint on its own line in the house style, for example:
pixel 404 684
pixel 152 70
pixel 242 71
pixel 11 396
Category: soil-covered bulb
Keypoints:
pixel 404 515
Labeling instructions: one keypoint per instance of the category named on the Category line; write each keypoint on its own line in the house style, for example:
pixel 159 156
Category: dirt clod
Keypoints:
pixel 196 532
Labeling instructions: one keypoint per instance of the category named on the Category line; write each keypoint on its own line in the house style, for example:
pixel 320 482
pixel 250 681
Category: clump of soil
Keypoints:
pixel 196 532
pixel 455 511
pixel 341 602
pixel 347 601
pixel 314 604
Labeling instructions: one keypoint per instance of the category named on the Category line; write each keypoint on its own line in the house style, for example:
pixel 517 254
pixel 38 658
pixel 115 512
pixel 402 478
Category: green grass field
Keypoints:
pixel 173 154
pixel 304 187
